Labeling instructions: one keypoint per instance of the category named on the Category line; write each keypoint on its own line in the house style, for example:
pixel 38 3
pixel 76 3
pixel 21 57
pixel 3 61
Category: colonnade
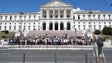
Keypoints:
pixel 56 26
pixel 66 13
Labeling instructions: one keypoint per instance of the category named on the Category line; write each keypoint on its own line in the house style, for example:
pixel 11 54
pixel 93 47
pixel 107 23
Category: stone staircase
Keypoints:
pixel 54 33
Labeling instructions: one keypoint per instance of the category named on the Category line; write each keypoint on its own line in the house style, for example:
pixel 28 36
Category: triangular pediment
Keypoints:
pixel 56 4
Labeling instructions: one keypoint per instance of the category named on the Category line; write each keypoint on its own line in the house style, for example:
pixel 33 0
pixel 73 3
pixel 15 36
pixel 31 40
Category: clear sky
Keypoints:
pixel 34 5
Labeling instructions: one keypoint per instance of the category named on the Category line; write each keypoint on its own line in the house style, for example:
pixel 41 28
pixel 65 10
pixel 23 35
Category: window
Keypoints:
pixel 33 27
pixel 5 17
pixel 1 17
pixel 109 16
pixel 94 22
pixel 89 26
pixel 29 27
pixel 15 17
pixel 24 27
pixel 9 27
pixel 5 28
pixel 104 22
pixel 78 16
pixel 98 16
pixel 83 22
pixel 61 16
pixel 99 25
pixel 14 27
pixel 14 23
pixel 0 23
pixel 0 27
pixel 89 22
pixel 104 16
pixel 73 17
pixel 83 25
pixel 10 17
pixel 109 22
pixel 94 25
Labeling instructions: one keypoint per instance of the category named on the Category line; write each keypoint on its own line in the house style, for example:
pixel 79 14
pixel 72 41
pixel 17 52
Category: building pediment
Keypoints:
pixel 56 4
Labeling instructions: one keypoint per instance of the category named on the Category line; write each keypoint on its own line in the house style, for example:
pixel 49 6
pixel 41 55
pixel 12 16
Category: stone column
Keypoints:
pixel 59 14
pixel 65 14
pixel 41 14
pixel 53 26
pixel 71 13
pixel 47 14
pixel 53 14
pixel 47 25
pixel 65 26
pixel 59 26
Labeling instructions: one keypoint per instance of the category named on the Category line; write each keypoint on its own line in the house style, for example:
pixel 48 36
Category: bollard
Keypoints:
pixel 24 57
pixel 55 58
pixel 86 58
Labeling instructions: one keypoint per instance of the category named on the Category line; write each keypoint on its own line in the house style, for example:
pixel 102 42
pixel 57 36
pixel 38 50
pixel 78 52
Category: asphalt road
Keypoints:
pixel 51 56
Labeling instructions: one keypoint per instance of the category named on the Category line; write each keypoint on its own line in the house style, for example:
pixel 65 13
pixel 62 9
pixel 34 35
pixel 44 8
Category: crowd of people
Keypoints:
pixel 48 40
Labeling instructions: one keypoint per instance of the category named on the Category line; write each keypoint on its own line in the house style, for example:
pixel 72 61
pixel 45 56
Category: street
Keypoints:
pixel 51 56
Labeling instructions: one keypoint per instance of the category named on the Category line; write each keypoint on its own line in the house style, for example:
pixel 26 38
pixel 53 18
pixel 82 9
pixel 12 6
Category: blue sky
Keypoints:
pixel 34 5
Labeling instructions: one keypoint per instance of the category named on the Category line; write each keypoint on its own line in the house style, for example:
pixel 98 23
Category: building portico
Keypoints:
pixel 56 15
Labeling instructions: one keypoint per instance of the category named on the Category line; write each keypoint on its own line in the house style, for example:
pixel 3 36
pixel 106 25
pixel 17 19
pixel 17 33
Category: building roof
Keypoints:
pixel 56 3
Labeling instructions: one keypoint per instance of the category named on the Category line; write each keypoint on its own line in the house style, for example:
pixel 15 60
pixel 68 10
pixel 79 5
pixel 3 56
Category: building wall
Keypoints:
pixel 31 21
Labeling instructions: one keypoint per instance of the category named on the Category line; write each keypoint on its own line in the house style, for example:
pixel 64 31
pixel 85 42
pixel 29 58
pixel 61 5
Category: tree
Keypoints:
pixel 6 31
pixel 107 31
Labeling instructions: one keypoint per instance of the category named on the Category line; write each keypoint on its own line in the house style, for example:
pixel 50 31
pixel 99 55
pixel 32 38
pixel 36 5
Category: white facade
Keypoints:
pixel 55 15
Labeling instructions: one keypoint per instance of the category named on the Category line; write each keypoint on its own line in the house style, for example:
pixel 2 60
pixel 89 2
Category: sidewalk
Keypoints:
pixel 52 47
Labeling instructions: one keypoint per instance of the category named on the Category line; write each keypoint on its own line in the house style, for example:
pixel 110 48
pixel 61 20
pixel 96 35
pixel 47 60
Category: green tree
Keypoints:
pixel 107 31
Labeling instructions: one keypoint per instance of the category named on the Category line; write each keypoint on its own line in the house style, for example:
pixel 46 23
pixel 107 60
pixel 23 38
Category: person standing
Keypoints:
pixel 97 51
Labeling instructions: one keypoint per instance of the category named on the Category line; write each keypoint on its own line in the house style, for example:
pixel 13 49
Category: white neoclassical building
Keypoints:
pixel 55 16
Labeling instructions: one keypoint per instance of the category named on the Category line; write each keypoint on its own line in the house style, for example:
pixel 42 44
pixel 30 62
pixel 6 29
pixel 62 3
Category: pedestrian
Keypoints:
pixel 97 51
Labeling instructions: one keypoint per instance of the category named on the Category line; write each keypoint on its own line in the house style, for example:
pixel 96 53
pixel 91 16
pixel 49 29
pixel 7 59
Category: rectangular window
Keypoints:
pixel 5 28
pixel 10 17
pixel 29 27
pixel 19 27
pixel 83 25
pixel 9 27
pixel 104 22
pixel 89 22
pixel 89 25
pixel 14 27
pixel 83 22
pixel 0 27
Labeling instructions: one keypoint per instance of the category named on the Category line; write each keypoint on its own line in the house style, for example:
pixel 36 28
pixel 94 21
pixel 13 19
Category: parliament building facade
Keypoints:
pixel 55 16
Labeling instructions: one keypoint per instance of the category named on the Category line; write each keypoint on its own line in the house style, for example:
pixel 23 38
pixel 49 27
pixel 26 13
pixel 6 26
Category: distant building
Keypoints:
pixel 55 15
